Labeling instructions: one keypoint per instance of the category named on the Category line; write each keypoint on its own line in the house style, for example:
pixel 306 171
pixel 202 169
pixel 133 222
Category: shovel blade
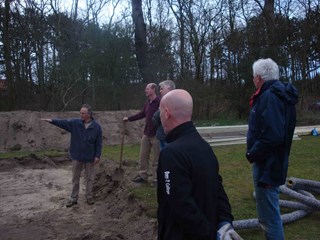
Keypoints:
pixel 118 174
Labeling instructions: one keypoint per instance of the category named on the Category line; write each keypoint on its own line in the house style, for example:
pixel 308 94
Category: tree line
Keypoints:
pixel 54 59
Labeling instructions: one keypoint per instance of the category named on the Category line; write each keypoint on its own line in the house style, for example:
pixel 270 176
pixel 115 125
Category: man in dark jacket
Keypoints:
pixel 192 203
pixel 165 87
pixel 85 149
pixel 148 141
pixel 271 126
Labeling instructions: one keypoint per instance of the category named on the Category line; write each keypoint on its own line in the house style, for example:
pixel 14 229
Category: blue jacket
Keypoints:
pixel 85 144
pixel 271 126
pixel 160 134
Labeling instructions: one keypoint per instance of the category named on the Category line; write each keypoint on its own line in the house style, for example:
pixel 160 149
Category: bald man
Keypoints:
pixel 192 203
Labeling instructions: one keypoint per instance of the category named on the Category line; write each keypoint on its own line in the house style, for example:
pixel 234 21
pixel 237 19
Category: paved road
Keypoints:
pixel 229 135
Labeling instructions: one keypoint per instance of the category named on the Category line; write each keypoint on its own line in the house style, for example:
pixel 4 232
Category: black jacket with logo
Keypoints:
pixel 191 198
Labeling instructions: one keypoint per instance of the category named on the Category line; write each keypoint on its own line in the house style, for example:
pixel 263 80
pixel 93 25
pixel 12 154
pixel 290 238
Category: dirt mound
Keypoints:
pixel 34 189
pixel 33 196
pixel 23 130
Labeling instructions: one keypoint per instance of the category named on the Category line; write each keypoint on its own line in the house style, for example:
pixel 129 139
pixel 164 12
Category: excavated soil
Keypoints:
pixel 34 193
pixel 34 190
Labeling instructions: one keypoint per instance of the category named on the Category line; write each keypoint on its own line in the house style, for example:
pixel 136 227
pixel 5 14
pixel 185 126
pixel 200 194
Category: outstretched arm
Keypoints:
pixel 64 124
pixel 46 119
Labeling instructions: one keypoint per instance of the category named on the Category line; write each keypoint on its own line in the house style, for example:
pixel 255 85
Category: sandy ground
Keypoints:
pixel 33 195
pixel 33 191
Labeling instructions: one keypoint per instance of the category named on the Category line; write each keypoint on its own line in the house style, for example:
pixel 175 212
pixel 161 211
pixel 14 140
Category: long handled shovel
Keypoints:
pixel 119 172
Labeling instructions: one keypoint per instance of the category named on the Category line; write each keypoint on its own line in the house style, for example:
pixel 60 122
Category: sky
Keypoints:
pixel 109 8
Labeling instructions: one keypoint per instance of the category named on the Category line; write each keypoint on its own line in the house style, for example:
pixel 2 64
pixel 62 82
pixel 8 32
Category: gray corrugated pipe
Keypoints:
pixel 308 203
pixel 299 183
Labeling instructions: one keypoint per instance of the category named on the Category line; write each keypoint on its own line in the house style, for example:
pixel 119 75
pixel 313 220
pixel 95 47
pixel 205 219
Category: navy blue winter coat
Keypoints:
pixel 85 144
pixel 271 126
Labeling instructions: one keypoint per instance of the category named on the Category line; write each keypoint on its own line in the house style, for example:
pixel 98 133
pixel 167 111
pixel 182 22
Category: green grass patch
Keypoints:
pixel 130 152
pixel 237 180
pixel 236 173
pixel 148 195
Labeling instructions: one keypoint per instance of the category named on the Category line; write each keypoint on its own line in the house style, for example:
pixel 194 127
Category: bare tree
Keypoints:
pixel 269 16
pixel 114 8
pixel 176 7
pixel 94 8
pixel 67 93
pixel 195 20
pixel 5 16
pixel 140 37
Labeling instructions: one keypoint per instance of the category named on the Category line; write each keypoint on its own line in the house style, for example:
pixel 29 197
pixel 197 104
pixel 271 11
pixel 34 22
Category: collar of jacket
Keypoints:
pixel 91 123
pixel 177 131
pixel 260 90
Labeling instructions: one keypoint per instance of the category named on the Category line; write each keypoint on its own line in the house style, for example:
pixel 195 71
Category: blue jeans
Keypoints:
pixel 267 201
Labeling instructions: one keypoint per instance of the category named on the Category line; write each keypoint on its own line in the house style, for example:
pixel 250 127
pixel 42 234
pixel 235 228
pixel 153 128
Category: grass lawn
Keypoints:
pixel 236 173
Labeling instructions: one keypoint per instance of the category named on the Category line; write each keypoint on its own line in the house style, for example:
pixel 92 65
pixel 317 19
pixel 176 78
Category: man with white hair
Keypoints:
pixel 271 126
pixel 192 203
pixel 165 87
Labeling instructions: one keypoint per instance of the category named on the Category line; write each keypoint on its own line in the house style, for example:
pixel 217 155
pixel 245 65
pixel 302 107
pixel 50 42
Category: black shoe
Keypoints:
pixel 90 201
pixel 70 203
pixel 139 179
